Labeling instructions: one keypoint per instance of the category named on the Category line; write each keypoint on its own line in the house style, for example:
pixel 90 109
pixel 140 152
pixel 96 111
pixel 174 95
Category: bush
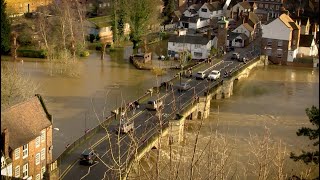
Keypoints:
pixel 24 39
pixel 84 54
pixel 32 53
pixel 92 37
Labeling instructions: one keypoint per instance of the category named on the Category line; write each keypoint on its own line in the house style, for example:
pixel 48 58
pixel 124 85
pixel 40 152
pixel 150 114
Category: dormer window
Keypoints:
pixel 204 10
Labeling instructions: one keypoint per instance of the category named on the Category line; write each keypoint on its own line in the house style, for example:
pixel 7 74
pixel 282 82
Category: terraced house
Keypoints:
pixel 26 146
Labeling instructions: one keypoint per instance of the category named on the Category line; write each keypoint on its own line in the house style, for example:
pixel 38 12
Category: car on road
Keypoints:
pixel 201 75
pixel 88 157
pixel 154 104
pixel 161 57
pixel 183 86
pixel 214 75
pixel 125 126
pixel 235 56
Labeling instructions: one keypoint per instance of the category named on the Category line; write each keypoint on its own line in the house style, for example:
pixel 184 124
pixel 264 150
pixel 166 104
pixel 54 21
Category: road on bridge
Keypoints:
pixel 114 149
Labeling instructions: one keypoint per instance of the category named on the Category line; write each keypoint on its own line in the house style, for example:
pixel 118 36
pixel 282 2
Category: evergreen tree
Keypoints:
pixel 313 134
pixel 5 29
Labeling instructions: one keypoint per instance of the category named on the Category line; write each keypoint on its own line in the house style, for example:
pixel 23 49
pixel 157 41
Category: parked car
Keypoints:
pixel 201 75
pixel 125 126
pixel 88 157
pixel 154 104
pixel 235 56
pixel 214 75
pixel 162 57
pixel 183 86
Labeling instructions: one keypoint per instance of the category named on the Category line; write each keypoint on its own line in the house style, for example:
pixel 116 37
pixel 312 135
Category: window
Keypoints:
pixel 37 158
pixel 294 42
pixel 197 45
pixel 43 169
pixel 238 40
pixel 43 154
pixel 266 6
pixel 17 153
pixel 25 170
pixel 38 177
pixel 25 151
pixel 280 43
pixel 38 141
pixel 269 42
pixel 260 5
pixel 17 172
pixel 173 44
pixel 277 7
pixel 279 53
pixel 269 52
pixel 204 10
pixel 43 135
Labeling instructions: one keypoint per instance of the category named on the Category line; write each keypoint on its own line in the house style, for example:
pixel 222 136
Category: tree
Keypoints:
pixel 141 15
pixel 168 9
pixel 313 134
pixel 5 29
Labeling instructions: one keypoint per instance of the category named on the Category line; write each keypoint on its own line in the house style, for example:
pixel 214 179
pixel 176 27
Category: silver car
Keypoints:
pixel 201 75
pixel 183 86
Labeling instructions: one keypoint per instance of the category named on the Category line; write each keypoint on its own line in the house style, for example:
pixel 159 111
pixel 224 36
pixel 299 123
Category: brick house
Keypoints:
pixel 281 47
pixel 26 132
pixel 19 7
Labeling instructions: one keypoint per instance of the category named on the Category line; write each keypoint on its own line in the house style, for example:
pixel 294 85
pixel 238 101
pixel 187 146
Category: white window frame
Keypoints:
pixel 37 158
pixel 38 141
pixel 43 135
pixel 38 177
pixel 17 171
pixel 24 151
pixel 17 153
pixel 43 154
pixel 43 169
pixel 25 171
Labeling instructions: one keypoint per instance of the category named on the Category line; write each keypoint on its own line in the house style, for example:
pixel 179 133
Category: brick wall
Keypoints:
pixel 274 58
pixel 34 169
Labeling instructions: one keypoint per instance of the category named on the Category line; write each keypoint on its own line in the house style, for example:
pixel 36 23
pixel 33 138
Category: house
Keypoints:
pixel 192 10
pixel 268 10
pixel 246 29
pixel 307 46
pixel 103 28
pixel 26 131
pixel 198 46
pixel 241 8
pixel 281 47
pixel 236 39
pixel 211 10
pixel 194 22
pixel 20 7
pixel 304 24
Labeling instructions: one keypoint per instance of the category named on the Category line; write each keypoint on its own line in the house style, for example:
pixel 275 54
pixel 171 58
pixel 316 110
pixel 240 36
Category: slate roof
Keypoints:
pixel 195 6
pixel 190 39
pixel 193 19
pixel 24 122
pixel 306 40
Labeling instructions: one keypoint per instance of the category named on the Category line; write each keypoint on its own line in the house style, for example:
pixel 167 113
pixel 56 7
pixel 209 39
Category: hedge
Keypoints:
pixel 32 53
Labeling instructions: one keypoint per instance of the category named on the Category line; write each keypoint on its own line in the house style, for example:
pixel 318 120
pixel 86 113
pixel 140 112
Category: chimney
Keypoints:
pixel 5 138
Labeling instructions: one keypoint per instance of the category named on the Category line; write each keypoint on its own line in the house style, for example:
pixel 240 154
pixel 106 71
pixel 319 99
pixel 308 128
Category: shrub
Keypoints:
pixel 32 53
pixel 92 37
pixel 84 54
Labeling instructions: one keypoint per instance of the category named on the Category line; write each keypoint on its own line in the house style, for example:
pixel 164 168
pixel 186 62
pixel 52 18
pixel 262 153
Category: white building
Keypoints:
pixel 192 10
pixel 211 10
pixel 236 39
pixel 6 167
pixel 198 46
pixel 307 46
pixel 193 22
pixel 246 29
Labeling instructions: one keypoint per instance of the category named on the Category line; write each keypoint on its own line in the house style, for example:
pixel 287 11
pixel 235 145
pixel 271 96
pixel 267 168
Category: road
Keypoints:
pixel 116 149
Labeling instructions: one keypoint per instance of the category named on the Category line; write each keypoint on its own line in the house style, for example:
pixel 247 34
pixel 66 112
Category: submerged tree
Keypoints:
pixel 313 134
pixel 5 29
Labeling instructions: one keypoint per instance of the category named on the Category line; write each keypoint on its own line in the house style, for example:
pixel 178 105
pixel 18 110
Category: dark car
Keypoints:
pixel 230 48
pixel 88 157
pixel 235 56
pixel 243 59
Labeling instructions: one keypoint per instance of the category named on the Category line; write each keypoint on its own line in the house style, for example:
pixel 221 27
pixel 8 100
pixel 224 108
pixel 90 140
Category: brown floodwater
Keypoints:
pixel 100 87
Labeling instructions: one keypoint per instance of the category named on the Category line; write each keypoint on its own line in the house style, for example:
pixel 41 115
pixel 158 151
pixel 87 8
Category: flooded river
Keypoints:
pixel 268 105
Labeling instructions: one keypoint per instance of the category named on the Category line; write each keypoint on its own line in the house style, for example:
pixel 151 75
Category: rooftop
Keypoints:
pixel 102 21
pixel 190 39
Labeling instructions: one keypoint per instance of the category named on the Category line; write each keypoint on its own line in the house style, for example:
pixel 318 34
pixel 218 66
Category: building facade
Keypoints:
pixel 281 47
pixel 19 7
pixel 26 130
